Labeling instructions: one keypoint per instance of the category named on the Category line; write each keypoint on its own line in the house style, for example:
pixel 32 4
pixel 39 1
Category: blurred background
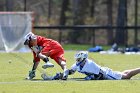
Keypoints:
pixel 92 22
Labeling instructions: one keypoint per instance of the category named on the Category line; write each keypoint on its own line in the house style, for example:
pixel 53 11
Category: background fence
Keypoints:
pixel 96 38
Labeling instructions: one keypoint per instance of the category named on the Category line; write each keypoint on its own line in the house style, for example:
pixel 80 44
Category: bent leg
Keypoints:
pixel 59 58
pixel 127 74
pixel 64 67
pixel 62 64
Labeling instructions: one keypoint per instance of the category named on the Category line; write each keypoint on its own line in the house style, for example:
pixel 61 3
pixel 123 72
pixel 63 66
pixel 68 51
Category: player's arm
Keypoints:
pixel 69 72
pixel 34 67
pixel 60 75
pixel 43 57
pixel 72 70
pixel 37 53
pixel 36 61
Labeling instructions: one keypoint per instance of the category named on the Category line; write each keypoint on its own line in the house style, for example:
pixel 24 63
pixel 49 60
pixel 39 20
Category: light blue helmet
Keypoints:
pixel 81 56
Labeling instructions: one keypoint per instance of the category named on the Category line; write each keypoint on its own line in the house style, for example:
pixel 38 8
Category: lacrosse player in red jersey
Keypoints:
pixel 43 48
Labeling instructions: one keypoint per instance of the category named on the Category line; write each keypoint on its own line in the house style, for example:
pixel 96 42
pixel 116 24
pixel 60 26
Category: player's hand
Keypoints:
pixel 65 74
pixel 58 76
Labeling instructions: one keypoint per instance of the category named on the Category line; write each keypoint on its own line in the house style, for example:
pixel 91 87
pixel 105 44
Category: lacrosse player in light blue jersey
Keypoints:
pixel 94 71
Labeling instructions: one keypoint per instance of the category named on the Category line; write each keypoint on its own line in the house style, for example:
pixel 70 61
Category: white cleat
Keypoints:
pixel 47 65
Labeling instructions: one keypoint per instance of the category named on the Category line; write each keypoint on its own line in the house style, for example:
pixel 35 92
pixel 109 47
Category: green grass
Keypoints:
pixel 14 68
pixel 76 47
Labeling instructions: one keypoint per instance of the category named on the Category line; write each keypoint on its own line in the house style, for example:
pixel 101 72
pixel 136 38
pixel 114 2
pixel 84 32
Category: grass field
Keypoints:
pixel 14 68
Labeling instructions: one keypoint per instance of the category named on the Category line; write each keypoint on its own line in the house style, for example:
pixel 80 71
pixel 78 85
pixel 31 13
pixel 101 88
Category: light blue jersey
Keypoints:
pixel 90 67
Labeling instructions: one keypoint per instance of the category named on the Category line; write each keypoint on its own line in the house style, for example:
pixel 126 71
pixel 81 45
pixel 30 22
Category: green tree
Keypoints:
pixel 121 21
pixel 110 22
pixel 62 21
pixel 79 15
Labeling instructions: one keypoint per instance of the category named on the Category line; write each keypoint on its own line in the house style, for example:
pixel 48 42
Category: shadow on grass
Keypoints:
pixel 69 79
pixel 76 79
pixel 79 79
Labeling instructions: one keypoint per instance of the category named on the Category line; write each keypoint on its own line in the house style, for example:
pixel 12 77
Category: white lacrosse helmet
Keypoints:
pixel 28 37
pixel 81 56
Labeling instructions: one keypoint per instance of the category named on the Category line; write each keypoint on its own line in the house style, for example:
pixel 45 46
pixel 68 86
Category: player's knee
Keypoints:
pixel 63 63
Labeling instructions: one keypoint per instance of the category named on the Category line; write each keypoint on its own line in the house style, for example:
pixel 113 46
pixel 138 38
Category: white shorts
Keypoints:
pixel 111 75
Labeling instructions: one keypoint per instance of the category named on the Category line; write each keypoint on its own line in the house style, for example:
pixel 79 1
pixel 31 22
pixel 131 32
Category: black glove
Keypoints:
pixel 58 76
pixel 32 74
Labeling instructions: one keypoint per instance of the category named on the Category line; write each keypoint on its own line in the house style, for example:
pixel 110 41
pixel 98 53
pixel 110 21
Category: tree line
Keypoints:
pixel 83 12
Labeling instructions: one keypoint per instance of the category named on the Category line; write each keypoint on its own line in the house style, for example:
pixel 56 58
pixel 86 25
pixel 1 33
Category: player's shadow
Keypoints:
pixel 36 80
pixel 77 79
pixel 69 79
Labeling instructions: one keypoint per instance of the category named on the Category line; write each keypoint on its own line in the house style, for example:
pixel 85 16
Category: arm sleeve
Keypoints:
pixel 74 67
pixel 36 58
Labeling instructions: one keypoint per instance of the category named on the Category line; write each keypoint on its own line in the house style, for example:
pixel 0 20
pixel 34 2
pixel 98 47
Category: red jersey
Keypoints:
pixel 49 45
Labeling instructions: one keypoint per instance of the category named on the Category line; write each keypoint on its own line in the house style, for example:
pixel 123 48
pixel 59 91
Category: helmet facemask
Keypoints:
pixel 81 56
pixel 30 36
